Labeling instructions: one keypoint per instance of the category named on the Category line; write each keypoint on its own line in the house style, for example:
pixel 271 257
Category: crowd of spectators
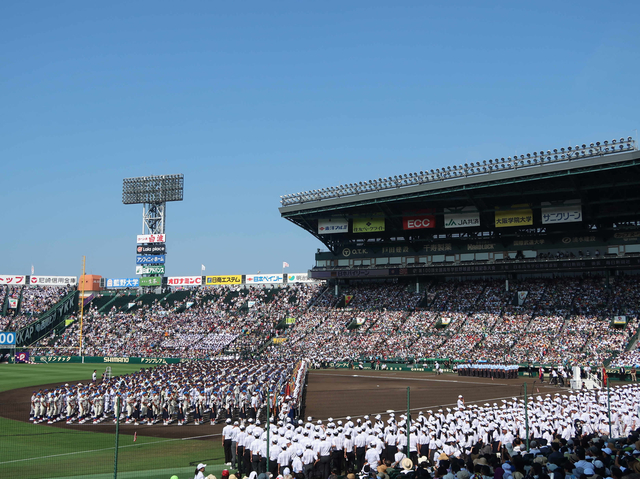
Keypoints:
pixel 31 302
pixel 550 320
pixel 204 324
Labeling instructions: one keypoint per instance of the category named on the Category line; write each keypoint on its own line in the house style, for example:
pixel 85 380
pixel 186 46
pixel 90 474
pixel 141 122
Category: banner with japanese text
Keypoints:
pixel 465 217
pixel 184 280
pixel 516 215
pixel 10 279
pixel 368 225
pixel 333 226
pixel 222 280
pixel 555 212
pixel 53 280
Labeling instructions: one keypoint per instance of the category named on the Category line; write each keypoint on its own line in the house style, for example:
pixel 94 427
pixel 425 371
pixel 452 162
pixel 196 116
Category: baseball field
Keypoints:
pixel 73 451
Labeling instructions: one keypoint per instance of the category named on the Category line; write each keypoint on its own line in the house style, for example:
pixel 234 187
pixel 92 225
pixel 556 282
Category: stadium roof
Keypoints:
pixel 604 179
pixel 469 175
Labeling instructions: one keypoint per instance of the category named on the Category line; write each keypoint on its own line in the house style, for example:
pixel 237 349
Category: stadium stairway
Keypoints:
pixel 118 302
pixel 19 308
pixel 141 301
pixel 100 302
pixel 318 297
pixel 177 297
pixel 5 304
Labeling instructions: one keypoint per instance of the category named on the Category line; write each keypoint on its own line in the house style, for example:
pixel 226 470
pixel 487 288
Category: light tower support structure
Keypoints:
pixel 154 218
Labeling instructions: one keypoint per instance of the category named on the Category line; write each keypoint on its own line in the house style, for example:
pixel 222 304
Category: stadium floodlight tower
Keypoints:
pixel 153 192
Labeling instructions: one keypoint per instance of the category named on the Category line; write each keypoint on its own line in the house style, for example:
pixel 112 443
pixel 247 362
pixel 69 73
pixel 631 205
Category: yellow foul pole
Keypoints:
pixel 82 304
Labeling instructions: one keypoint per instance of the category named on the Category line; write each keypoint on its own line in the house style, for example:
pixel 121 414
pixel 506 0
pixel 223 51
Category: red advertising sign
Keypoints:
pixel 144 239
pixel 184 280
pixel 419 219
pixel 4 279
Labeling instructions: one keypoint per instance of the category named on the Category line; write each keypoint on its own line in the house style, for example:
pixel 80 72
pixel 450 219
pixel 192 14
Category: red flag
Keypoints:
pixel 135 436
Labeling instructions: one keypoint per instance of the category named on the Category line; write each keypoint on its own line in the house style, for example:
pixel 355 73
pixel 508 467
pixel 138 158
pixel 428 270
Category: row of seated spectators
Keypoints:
pixel 216 319
pixel 35 301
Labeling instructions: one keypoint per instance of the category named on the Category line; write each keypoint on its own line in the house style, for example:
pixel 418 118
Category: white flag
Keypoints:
pixel 32 270
pixel 203 268
pixel 285 264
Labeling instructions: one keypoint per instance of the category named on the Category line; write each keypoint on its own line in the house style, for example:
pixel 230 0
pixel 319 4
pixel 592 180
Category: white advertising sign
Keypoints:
pixel 143 239
pixel 184 280
pixel 122 283
pixel 298 278
pixel 332 226
pixel 264 278
pixel 53 280
pixel 569 211
pixel 466 217
pixel 9 279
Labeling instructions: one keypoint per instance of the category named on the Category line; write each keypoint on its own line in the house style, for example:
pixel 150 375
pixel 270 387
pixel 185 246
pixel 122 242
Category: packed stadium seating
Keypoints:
pixel 33 301
pixel 558 320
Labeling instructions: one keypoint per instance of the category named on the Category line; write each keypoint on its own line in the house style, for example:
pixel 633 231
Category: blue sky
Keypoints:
pixel 253 100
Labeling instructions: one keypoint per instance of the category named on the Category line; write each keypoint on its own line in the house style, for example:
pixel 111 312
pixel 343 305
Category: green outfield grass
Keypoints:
pixel 39 451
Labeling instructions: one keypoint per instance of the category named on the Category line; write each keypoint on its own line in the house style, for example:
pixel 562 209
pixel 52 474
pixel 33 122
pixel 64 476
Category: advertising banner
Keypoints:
pixel 143 239
pixel 222 280
pixel 158 248
pixel 7 338
pixel 368 225
pixel 184 280
pixel 555 212
pixel 522 295
pixel 278 340
pixel 298 278
pixel 332 226
pixel 420 219
pixel 291 321
pixel 122 283
pixel 150 259
pixel 22 357
pixel 159 269
pixel 9 279
pixel 13 303
pixel 263 278
pixel 49 321
pixel 151 281
pixel 619 320
pixel 465 217
pixel 516 215
pixel 53 280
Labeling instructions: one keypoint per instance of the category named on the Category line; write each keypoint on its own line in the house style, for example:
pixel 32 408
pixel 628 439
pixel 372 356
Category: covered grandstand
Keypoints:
pixel 568 209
